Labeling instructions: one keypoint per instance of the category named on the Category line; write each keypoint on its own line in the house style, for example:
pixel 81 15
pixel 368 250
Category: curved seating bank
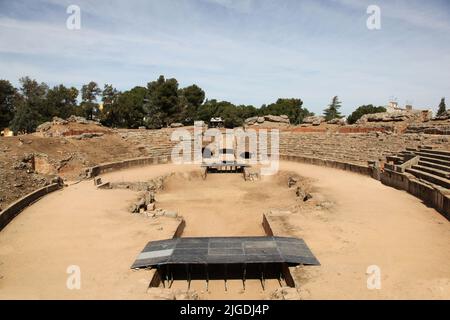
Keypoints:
pixel 359 153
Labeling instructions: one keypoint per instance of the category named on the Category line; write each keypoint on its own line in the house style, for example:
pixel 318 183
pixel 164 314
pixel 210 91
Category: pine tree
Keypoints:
pixel 442 107
pixel 332 112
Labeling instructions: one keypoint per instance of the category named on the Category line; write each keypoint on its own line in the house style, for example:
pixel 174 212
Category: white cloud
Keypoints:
pixel 252 52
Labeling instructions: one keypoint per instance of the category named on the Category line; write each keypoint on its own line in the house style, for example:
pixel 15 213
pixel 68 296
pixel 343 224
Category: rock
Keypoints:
pixel 251 174
pixel 141 203
pixel 395 116
pixel 292 181
pixel 285 293
pixel 133 208
pixel 171 214
pixel 21 166
pixel 77 119
pixel 314 120
pixel 44 127
pixel 159 212
pixel 250 121
pixel 325 205
pixel 283 119
pixel 338 121
pixel 271 118
pixel 176 125
pixel 57 180
pixel 151 206
pixel 302 194
pixel 57 120
pixel 149 197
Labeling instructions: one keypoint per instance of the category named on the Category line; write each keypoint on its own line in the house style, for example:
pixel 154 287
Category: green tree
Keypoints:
pixel 332 112
pixel 109 98
pixel 231 115
pixel 61 101
pixel 109 95
pixel 442 107
pixel 25 117
pixel 89 93
pixel 31 106
pixel 293 108
pixel 245 112
pixel 162 105
pixel 190 99
pixel 7 94
pixel 362 110
pixel 127 109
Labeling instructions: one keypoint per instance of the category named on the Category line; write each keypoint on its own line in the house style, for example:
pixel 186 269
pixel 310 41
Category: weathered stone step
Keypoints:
pixel 434 160
pixel 443 182
pixel 433 155
pixel 434 171
pixel 439 152
pixel 434 165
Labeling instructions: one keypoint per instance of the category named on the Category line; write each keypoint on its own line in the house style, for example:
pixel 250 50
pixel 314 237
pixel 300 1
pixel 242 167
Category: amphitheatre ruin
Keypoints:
pixel 344 198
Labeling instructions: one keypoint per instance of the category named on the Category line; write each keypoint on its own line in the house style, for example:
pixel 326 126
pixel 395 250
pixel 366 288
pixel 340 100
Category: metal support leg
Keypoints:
pixel 188 272
pixel 207 278
pixel 244 275
pixel 262 276
pixel 280 275
pixel 226 274
pixel 167 276
pixel 171 279
pixel 161 276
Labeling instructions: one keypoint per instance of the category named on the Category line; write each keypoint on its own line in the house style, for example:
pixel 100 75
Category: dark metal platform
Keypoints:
pixel 225 251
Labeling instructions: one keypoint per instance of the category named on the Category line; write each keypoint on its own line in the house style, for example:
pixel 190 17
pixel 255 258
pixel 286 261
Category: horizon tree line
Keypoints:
pixel 156 105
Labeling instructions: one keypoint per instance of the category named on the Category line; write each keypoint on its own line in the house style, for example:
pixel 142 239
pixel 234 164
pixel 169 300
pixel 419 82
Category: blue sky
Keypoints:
pixel 243 51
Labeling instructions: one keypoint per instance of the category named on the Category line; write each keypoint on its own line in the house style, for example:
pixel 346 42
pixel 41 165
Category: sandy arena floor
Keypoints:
pixel 365 223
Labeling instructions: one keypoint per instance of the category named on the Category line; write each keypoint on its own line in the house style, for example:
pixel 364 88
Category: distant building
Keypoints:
pixel 424 114
pixel 393 107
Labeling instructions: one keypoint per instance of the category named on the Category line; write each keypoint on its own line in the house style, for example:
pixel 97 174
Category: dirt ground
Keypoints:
pixel 354 222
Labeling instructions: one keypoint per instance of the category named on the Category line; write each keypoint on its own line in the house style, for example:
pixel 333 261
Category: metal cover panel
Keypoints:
pixel 225 250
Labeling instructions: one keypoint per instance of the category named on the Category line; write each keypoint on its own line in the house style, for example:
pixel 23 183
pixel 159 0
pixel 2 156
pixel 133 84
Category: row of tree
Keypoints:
pixel 156 105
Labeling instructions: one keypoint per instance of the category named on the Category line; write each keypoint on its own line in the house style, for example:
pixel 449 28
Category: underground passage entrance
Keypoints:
pixel 224 258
